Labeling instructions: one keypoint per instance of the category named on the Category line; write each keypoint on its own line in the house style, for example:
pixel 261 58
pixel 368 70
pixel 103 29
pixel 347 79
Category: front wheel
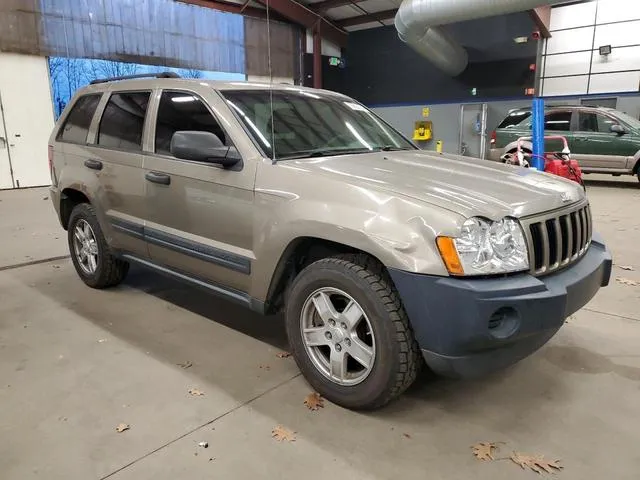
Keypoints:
pixel 349 333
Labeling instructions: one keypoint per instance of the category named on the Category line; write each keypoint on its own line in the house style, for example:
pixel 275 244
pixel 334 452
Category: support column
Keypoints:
pixel 317 58
pixel 537 127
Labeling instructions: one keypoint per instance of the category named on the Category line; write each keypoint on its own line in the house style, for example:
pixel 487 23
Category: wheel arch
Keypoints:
pixel 69 198
pixel 299 253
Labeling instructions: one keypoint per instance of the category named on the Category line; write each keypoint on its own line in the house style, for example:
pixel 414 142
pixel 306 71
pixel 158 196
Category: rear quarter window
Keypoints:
pixel 76 126
pixel 514 118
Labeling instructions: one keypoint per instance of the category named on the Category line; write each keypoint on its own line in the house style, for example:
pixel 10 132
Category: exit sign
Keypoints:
pixel 334 61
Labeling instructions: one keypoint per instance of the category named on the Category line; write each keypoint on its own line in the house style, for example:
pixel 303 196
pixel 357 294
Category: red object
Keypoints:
pixel 532 67
pixel 569 169
pixel 493 137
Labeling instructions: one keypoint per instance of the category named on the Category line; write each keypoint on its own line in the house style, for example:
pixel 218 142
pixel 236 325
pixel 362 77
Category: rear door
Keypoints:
pixel 200 215
pixel 595 146
pixel 114 157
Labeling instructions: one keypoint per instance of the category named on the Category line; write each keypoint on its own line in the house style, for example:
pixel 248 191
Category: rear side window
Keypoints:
pixel 183 111
pixel 76 126
pixel 122 122
pixel 514 118
pixel 558 121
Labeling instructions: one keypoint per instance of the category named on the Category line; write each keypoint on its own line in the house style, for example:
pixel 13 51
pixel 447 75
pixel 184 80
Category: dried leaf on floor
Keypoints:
pixel 314 401
pixel 203 444
pixel 406 435
pixel 626 281
pixel 195 392
pixel 265 367
pixel 283 355
pixel 45 198
pixel 185 365
pixel 626 267
pixel 484 450
pixel 122 427
pixel 281 434
pixel 537 463
pixel 56 266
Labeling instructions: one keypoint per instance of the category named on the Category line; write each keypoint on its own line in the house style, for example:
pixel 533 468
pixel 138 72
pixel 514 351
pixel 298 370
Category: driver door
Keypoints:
pixel 595 146
pixel 199 215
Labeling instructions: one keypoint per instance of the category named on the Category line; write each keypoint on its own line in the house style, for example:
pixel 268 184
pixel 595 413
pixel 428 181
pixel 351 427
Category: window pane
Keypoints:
pixel 587 122
pixel 558 121
pixel 604 123
pixel 514 118
pixel 123 121
pixel 181 111
pixel 76 126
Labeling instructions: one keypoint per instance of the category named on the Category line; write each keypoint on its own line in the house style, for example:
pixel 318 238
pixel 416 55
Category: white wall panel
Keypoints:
pixel 573 16
pixel 570 40
pixel 617 10
pixel 627 58
pixel 567 64
pixel 614 82
pixel 565 86
pixel 615 34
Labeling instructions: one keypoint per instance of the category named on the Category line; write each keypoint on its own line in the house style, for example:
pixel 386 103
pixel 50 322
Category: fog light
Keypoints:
pixel 504 322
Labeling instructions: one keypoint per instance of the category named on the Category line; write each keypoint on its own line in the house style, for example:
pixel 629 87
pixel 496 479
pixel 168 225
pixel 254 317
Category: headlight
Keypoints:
pixel 486 247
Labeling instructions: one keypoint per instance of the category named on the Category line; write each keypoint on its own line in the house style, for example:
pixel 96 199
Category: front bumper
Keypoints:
pixel 470 327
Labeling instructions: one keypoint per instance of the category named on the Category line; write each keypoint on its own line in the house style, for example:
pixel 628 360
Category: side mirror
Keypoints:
pixel 619 129
pixel 203 147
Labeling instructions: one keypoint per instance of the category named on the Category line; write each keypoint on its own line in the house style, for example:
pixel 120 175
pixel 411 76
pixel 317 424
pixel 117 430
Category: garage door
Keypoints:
pixel 26 120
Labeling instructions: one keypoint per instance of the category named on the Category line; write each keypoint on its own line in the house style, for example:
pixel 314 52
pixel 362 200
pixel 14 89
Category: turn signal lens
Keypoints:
pixel 449 255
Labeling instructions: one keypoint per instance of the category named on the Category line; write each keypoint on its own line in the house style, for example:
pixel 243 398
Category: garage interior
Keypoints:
pixel 75 363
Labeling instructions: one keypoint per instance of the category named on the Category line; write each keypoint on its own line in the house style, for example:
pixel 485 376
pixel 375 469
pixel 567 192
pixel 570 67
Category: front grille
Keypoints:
pixel 558 238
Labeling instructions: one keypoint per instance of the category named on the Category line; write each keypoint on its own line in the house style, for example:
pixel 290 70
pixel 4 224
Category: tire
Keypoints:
pixel 109 270
pixel 396 358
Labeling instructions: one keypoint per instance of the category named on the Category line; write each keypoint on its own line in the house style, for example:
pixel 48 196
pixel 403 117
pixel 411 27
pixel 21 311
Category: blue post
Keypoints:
pixel 537 127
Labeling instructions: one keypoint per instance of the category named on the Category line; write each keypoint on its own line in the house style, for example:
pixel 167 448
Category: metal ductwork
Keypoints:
pixel 418 24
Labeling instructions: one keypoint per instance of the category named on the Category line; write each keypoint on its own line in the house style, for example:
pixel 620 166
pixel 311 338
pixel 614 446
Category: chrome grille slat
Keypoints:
pixel 569 238
pixel 558 238
pixel 578 246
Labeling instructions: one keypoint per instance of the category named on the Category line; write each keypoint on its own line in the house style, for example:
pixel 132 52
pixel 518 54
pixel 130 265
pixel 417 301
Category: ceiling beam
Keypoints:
pixel 322 7
pixel 228 7
pixel 302 15
pixel 371 17
pixel 541 16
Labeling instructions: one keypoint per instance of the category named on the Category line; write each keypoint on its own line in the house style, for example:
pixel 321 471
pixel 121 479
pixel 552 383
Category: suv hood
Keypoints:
pixel 468 186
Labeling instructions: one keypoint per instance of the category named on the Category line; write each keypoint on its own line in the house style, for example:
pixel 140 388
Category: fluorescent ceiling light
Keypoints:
pixel 521 39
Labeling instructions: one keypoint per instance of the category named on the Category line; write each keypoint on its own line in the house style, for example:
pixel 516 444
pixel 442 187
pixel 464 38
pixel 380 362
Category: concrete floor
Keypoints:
pixel 75 362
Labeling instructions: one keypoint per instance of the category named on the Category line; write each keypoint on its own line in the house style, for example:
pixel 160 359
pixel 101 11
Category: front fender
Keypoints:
pixel 398 231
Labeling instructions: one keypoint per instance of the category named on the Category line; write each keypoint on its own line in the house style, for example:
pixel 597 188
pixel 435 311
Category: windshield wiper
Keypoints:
pixel 325 152
pixel 389 148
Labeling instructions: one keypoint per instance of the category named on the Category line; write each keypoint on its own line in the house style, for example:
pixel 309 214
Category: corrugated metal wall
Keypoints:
pixel 160 32
pixel 285 48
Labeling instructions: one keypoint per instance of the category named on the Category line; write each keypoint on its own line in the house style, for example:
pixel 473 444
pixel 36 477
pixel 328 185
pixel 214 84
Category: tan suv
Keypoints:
pixel 287 199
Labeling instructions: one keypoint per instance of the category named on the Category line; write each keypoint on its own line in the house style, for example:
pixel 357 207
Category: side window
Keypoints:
pixel 604 123
pixel 182 111
pixel 587 122
pixel 558 121
pixel 76 126
pixel 122 122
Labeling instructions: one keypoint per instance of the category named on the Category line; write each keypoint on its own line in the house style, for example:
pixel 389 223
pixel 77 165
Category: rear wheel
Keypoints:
pixel 91 256
pixel 349 333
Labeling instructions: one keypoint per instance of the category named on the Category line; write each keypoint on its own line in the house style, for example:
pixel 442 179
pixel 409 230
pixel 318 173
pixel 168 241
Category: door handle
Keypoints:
pixel 93 164
pixel 161 178
pixel 581 139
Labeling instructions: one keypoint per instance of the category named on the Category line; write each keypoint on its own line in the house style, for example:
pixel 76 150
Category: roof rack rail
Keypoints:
pixel 141 75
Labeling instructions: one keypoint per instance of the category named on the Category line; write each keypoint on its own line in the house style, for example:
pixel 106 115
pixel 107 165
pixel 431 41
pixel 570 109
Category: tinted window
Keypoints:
pixel 514 118
pixel 558 121
pixel 76 126
pixel 592 122
pixel 310 124
pixel 123 121
pixel 182 111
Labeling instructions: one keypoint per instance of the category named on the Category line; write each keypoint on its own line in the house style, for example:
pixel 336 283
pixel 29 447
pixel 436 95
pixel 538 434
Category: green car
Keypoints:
pixel 603 140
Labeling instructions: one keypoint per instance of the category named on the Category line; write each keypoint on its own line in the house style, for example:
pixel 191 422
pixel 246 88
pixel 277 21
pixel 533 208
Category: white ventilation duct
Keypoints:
pixel 418 21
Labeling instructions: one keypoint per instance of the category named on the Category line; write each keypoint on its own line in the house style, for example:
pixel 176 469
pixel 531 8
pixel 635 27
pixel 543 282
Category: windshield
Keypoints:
pixel 306 124
pixel 629 120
